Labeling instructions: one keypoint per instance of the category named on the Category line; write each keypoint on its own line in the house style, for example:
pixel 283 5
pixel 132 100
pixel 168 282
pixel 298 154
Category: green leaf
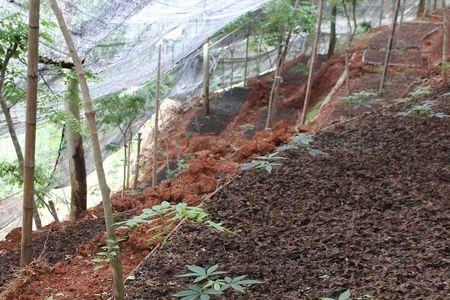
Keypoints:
pixel 196 269
pixel 212 269
pixel 204 297
pixel 345 295
pixel 96 268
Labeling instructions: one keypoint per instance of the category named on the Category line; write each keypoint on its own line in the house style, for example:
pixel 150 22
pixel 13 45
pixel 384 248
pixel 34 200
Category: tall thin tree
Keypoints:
pixel 389 49
pixel 116 262
pixel 30 132
pixel 312 66
pixel 75 150
pixel 332 43
pixel 206 77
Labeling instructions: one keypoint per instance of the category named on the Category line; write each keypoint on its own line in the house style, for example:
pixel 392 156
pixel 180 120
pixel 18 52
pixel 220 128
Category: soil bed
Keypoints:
pixel 371 216
pixel 222 111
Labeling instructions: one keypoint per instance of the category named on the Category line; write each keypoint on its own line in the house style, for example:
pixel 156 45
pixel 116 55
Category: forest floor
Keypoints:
pixel 353 216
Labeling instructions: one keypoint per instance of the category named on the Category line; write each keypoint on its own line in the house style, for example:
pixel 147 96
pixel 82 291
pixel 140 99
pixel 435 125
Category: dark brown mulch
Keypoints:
pixel 411 36
pixel 58 244
pixel 222 111
pixel 407 57
pixel 373 216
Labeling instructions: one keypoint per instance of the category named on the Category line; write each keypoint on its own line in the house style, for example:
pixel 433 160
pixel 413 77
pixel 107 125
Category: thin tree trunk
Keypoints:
pixel 138 158
pixel 124 179
pixel 428 8
pixel 246 55
pixel 421 8
pixel 389 48
pixel 206 77
pixel 116 262
pixel 30 132
pixel 274 93
pixel 434 4
pixel 155 129
pixel 75 150
pixel 332 44
pixel 130 144
pixel 313 64
pixel 444 44
pixel 381 13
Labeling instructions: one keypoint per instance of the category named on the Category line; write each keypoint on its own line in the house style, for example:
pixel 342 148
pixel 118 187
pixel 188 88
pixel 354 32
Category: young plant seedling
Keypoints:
pixel 108 254
pixel 210 282
pixel 302 140
pixel 267 162
pixel 361 99
pixel 166 215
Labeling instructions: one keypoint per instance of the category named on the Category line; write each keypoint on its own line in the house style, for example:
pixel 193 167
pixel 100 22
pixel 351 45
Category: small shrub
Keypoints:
pixel 361 99
pixel 210 282
pixel 267 162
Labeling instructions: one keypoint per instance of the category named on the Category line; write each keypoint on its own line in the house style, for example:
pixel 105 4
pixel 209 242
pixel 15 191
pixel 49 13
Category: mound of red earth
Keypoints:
pixel 371 216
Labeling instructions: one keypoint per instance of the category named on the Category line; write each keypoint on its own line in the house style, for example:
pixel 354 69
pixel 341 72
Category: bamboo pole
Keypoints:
pixel 444 44
pixel 206 77
pixel 30 132
pixel 389 48
pixel 313 64
pixel 155 129
pixel 116 262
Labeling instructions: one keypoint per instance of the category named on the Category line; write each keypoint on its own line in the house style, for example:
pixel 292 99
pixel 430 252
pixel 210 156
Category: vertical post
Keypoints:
pixel 138 158
pixel 232 66
pixel 155 129
pixel 381 12
pixel 389 48
pixel 116 262
pixel 206 77
pixel 313 64
pixel 30 132
pixel 444 44
pixel 246 55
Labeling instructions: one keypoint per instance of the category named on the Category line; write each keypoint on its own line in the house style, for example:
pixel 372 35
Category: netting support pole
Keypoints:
pixel 138 158
pixel 30 133
pixel 115 262
pixel 206 77
pixel 155 128
pixel 389 48
pixel 246 55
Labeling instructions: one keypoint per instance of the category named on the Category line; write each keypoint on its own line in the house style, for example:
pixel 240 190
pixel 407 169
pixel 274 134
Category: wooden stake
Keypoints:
pixel 138 158
pixel 313 64
pixel 206 77
pixel 116 262
pixel 389 48
pixel 30 132
pixel 246 55
pixel 155 129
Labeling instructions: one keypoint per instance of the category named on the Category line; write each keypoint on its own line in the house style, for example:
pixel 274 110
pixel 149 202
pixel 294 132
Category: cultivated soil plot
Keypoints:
pixel 406 47
pixel 53 246
pixel 372 216
pixel 222 111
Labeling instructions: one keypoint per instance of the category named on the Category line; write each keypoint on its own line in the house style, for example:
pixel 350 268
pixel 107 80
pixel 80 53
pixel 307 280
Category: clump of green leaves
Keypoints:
pixel 108 254
pixel 422 110
pixel 344 296
pixel 210 282
pixel 248 127
pixel 267 162
pixel 181 166
pixel 416 95
pixel 166 215
pixel 302 140
pixel 361 99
